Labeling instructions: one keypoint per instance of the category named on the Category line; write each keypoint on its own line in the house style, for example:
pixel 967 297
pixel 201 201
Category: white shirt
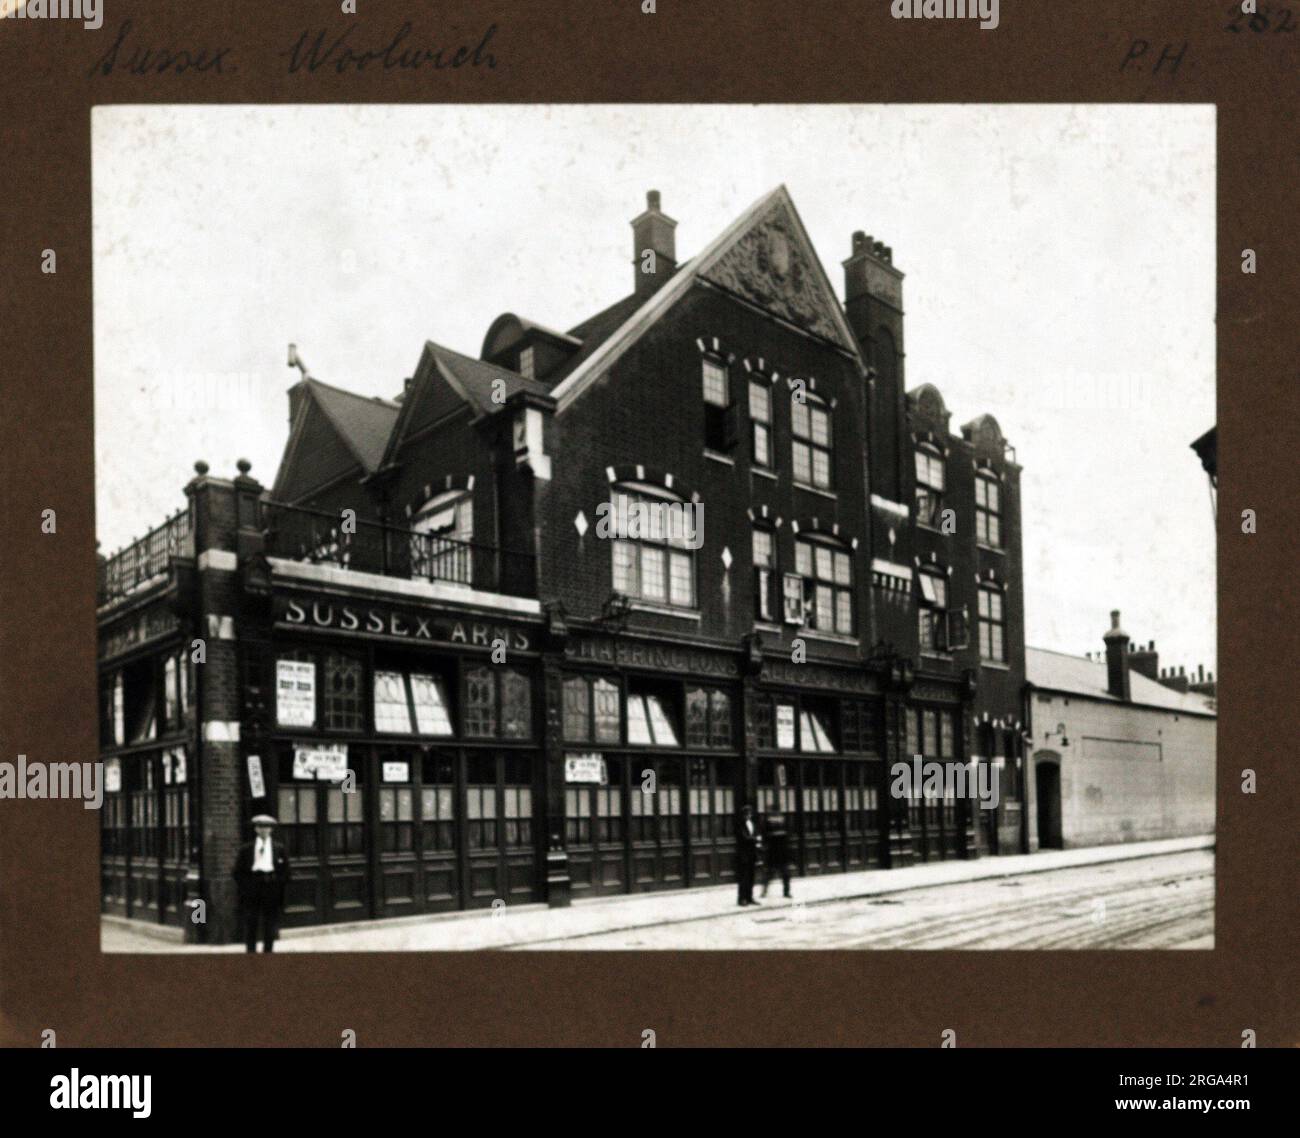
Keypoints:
pixel 262 860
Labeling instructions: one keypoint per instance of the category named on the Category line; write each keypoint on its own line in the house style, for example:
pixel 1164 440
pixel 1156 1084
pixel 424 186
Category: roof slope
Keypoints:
pixel 477 381
pixel 333 431
pixel 446 380
pixel 791 282
pixel 1057 671
pixel 364 422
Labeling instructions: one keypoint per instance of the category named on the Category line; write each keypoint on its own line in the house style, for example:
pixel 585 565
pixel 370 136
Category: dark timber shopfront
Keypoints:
pixel 405 764
pixel 424 753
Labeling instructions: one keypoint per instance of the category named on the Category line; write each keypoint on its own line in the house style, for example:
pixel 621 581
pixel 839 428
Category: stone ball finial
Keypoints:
pixel 244 466
pixel 201 467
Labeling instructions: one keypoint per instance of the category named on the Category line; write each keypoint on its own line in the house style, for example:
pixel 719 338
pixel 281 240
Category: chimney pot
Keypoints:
pixel 653 232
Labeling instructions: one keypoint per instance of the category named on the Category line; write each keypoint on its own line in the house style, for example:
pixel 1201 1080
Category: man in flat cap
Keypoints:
pixel 261 873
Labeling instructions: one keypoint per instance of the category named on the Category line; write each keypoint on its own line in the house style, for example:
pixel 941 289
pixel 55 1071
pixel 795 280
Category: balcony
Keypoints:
pixel 313 536
pixel 146 558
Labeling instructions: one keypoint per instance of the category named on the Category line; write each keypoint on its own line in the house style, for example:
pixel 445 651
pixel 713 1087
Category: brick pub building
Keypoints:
pixel 422 652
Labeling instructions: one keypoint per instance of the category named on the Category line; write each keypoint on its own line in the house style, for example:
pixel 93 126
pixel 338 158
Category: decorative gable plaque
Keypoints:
pixel 772 265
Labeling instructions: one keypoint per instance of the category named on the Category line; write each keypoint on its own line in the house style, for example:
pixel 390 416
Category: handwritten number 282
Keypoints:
pixel 1259 22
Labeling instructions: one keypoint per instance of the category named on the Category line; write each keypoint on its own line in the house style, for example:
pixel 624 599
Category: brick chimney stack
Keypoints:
pixel 1145 660
pixel 654 247
pixel 1117 659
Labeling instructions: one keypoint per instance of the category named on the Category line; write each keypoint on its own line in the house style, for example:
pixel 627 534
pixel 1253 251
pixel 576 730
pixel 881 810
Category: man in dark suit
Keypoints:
pixel 776 848
pixel 261 872
pixel 747 842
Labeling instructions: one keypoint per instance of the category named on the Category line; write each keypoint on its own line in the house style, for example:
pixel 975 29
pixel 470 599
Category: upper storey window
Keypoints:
pixel 653 555
pixel 760 414
pixel 528 363
pixel 992 625
pixel 810 420
pixel 929 485
pixel 440 535
pixel 988 509
pixel 826 570
pixel 718 418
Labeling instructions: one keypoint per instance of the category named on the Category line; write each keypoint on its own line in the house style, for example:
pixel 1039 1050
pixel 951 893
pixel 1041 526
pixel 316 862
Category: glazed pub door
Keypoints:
pixel 500 851
pixel 323 827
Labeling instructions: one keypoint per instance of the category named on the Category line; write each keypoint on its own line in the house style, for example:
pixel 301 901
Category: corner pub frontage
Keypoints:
pixel 426 751
pixel 412 650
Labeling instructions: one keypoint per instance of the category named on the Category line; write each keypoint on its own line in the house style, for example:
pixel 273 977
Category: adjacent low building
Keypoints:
pixel 1117 754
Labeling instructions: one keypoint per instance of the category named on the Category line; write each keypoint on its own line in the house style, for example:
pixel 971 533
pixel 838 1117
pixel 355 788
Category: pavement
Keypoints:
pixel 710 918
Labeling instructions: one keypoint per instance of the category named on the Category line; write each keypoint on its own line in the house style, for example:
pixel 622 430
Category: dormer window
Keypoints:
pixel 929 485
pixel 527 364
pixel 810 420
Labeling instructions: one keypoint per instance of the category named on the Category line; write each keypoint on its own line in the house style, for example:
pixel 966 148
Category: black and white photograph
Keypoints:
pixel 655 527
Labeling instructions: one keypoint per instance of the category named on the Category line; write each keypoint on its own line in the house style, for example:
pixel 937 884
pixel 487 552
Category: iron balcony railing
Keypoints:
pixel 301 534
pixel 146 558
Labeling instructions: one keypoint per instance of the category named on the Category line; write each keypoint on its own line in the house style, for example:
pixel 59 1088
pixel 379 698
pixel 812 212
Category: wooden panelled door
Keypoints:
pixel 658 832
pixel 325 834
pixel 499 849
pixel 595 823
pixel 711 803
pixel 417 870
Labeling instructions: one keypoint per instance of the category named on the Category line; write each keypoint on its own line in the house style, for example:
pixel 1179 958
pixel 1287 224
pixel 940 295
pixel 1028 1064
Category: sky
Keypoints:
pixel 1059 267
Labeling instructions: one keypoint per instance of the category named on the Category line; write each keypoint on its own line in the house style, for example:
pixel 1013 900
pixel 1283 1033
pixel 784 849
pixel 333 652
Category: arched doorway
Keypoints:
pixel 1047 794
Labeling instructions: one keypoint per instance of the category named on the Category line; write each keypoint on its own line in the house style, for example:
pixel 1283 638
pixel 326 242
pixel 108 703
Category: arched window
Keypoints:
pixel 654 532
pixel 988 509
pixel 929 484
pixel 825 566
pixel 441 532
pixel 810 423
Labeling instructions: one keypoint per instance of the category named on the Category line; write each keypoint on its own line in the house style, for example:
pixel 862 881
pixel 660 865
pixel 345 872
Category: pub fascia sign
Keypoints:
pixel 664 657
pixel 385 620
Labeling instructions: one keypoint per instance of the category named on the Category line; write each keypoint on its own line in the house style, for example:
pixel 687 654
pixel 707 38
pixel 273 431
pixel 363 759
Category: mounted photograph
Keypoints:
pixel 691 527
